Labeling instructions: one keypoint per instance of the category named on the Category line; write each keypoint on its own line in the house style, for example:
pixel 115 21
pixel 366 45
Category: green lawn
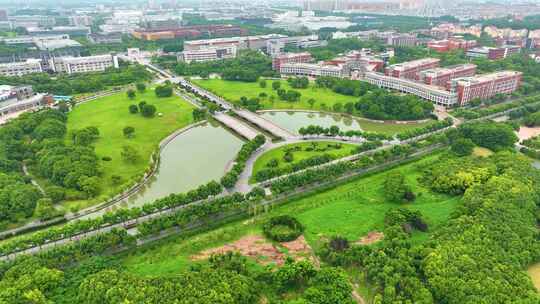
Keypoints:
pixel 302 151
pixel 233 90
pixel 351 210
pixel 110 115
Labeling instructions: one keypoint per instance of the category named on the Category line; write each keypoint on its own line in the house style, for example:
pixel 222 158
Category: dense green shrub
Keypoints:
pixel 283 228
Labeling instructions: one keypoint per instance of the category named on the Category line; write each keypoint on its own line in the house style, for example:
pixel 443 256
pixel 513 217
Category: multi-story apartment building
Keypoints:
pixel 32 21
pixel 442 76
pixel 312 70
pixel 87 64
pixel 80 20
pixel 432 93
pixel 450 44
pixel 402 40
pixel 411 69
pixel 493 53
pixel 279 60
pixel 485 86
pixel 21 68
pixel 208 54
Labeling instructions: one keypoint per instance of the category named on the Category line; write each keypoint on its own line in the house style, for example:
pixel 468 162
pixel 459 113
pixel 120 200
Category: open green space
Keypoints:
pixel 350 210
pixel 234 90
pixel 390 128
pixel 110 115
pixel 301 151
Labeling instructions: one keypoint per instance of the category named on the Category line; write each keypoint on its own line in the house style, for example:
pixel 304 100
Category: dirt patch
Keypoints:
pixel 526 132
pixel 300 250
pixel 253 246
pixel 263 251
pixel 370 238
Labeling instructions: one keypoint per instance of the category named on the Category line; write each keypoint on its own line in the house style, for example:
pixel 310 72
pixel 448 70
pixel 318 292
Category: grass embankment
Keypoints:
pixel 350 210
pixel 110 115
pixel 300 152
pixel 234 90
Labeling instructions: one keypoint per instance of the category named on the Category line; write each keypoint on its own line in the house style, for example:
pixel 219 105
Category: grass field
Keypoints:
pixel 351 210
pixel 233 90
pixel 318 148
pixel 110 115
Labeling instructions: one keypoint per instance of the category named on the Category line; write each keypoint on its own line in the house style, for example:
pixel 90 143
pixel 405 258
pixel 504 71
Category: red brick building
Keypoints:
pixel 279 60
pixel 451 44
pixel 486 85
pixel 441 76
pixel 411 69
pixel 189 32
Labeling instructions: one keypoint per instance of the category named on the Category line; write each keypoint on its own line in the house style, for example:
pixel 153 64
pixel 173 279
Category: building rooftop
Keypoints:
pixel 56 44
pixel 292 55
pixel 450 69
pixel 487 77
pixel 413 64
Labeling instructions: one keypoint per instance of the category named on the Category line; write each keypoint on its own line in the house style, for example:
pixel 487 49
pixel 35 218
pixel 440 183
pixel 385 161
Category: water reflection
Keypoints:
pixel 292 121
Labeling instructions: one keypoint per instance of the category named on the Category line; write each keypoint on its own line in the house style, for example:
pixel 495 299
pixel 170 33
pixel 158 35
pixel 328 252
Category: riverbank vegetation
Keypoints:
pixel 294 157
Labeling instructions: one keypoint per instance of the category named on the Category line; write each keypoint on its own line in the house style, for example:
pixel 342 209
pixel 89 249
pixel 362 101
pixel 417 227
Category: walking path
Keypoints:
pixel 265 124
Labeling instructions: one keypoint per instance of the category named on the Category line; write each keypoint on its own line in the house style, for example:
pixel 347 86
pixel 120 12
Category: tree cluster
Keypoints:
pixel 231 177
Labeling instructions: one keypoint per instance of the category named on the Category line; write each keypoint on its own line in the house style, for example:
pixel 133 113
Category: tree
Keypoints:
pixel 141 105
pixel 130 93
pixel 262 83
pixel 89 185
pixel 311 102
pixel 133 109
pixel 276 85
pixel 165 90
pixel 462 146
pixel 337 107
pixel 129 154
pixel 44 209
pixel 395 187
pixel 141 87
pixel 128 131
pixel 199 114
pixel 148 110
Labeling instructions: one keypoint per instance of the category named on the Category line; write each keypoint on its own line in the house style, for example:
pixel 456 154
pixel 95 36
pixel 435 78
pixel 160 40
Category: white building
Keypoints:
pixel 72 65
pixel 432 93
pixel 311 70
pixel 208 54
pixel 29 66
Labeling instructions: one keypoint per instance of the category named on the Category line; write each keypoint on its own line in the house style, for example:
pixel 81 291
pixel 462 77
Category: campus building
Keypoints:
pixel 59 30
pixel 401 40
pixel 411 69
pixel 434 94
pixel 247 42
pixel 312 70
pixel 208 54
pixel 485 86
pixel 18 99
pixel 29 66
pixel 493 53
pixel 451 44
pixel 442 76
pixel 279 60
pixel 87 64
pixel 188 32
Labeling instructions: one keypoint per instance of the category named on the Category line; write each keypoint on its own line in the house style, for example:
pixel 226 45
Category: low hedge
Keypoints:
pixel 295 228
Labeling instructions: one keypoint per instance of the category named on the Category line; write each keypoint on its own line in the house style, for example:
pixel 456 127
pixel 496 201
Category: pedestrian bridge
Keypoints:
pixel 236 125
pixel 265 124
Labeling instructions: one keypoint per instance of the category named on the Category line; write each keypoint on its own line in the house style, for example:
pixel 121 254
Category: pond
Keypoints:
pixel 193 158
pixel 292 121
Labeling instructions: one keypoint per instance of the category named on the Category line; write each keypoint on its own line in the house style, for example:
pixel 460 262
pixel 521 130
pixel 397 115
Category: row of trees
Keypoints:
pixel 335 131
pixel 231 177
pixel 332 171
pixel 432 127
pixel 73 228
